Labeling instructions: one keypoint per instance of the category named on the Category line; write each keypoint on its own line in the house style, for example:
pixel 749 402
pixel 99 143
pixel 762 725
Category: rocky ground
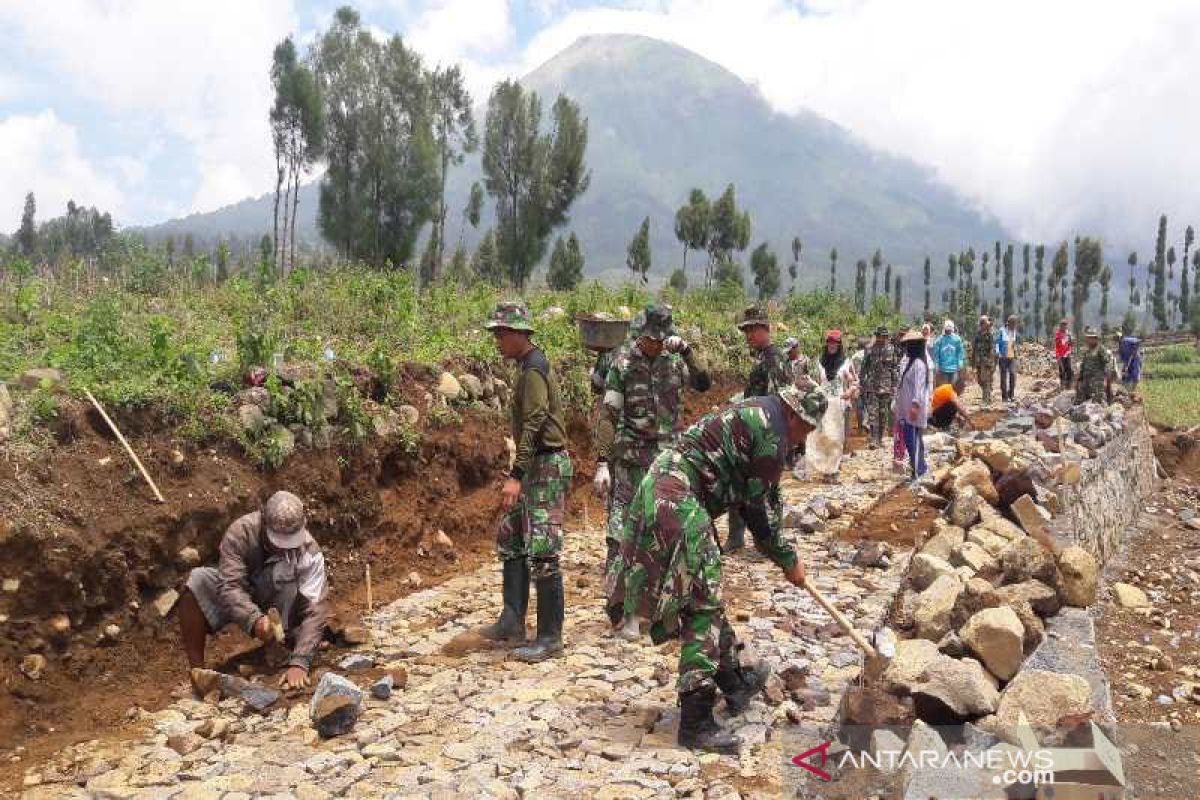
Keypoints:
pixel 599 721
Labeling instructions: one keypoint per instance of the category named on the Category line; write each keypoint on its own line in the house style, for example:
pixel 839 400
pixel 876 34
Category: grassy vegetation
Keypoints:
pixel 166 347
pixel 1172 386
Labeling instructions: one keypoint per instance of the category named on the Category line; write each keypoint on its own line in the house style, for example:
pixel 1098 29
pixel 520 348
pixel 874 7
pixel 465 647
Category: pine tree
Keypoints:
pixel 860 285
pixel 794 267
pixel 566 265
pixel 887 280
pixel 486 261
pixel 1038 282
pixel 1009 299
pixel 833 271
pixel 1185 292
pixel 927 277
pixel 637 255
pixel 1159 270
pixel 27 233
pixel 898 294
pixel 692 223
pixel 876 263
pixel 1105 283
pixel 1134 299
pixel 765 267
pixel 729 230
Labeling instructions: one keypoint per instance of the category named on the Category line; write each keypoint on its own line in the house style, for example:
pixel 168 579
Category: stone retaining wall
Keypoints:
pixel 1111 491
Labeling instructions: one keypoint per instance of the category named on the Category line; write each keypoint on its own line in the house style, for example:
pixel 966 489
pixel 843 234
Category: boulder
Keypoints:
pixel 931 613
pixel 1079 575
pixel 988 540
pixel 994 523
pixel 1026 559
pixel 1044 697
pixel 1035 630
pixel 975 474
pixel 977 594
pixel 1129 596
pixel 963 511
pixel 904 671
pixel 924 739
pixel 1041 598
pixel 944 538
pixel 960 685
pixel 996 454
pixel 471 385
pixel 335 705
pixel 974 557
pixel 887 748
pixel 252 418
pixel 1030 515
pixel 996 636
pixel 951 645
pixel 40 377
pixel 924 569
pixel 409 415
pixel 1012 485
pixel 448 387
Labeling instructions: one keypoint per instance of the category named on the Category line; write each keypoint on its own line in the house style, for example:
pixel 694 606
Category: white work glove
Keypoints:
pixel 675 344
pixel 601 482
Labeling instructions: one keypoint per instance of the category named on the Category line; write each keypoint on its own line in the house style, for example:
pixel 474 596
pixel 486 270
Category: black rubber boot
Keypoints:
pixel 697 728
pixel 550 611
pixel 739 685
pixel 511 626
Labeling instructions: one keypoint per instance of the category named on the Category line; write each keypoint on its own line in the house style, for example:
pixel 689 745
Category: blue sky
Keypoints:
pixel 1055 116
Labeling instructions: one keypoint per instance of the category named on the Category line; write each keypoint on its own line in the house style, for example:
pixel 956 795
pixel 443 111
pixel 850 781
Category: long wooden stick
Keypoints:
pixel 862 643
pixel 128 449
pixel 370 597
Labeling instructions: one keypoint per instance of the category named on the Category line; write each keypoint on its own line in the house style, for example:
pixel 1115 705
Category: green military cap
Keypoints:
pixel 513 315
pixel 754 315
pixel 809 405
pixel 1091 332
pixel 881 330
pixel 657 321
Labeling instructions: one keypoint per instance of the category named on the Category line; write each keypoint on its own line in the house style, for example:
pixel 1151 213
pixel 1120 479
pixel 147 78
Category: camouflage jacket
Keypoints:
pixel 770 373
pixel 643 398
pixel 983 350
pixel 1095 366
pixel 880 373
pixel 537 425
pixel 734 458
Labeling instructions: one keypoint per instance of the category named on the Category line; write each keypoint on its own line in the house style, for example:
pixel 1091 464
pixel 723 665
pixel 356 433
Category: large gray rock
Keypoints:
pixel 251 418
pixel 904 671
pixel 471 385
pixel 1026 559
pixel 1044 697
pixel 924 569
pixel 974 557
pixel 961 685
pixel 1079 575
pixel 448 387
pixel 974 474
pixel 977 595
pixel 996 636
pixel 931 613
pixel 1041 598
pixel 335 705
pixel 963 511
pixel 943 540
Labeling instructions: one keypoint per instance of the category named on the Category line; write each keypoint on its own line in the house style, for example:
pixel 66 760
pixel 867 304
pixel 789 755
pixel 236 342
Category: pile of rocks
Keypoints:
pixel 979 589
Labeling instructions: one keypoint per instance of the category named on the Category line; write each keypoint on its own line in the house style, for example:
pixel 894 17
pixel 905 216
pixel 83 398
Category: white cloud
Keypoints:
pixel 199 70
pixel 42 155
pixel 1055 116
pixel 452 30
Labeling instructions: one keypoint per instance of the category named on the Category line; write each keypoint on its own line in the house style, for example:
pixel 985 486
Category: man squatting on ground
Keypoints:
pixel 268 560
pixel 669 567
pixel 529 537
pixel 769 374
pixel 640 415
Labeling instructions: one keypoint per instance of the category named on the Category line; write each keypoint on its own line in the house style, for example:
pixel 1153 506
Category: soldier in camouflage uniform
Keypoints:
pixel 640 412
pixel 770 373
pixel 878 378
pixel 1093 383
pixel 669 568
pixel 983 357
pixel 529 537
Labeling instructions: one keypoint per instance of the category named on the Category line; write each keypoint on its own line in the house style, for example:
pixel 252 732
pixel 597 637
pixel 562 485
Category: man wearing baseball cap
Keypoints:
pixel 669 567
pixel 269 561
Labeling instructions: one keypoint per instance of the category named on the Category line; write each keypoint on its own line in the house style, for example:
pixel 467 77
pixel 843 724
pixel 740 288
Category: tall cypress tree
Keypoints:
pixel 833 270
pixel 927 277
pixel 1160 274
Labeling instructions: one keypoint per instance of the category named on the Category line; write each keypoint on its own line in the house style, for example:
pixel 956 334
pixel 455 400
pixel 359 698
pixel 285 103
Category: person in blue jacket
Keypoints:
pixel 1006 353
pixel 949 356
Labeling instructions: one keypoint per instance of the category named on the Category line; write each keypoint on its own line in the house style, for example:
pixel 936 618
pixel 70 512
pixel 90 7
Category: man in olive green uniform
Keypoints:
pixel 983 357
pixel 770 373
pixel 669 567
pixel 640 412
pixel 1096 371
pixel 529 538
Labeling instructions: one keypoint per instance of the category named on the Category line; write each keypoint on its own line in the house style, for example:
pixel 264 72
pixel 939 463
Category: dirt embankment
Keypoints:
pixel 90 548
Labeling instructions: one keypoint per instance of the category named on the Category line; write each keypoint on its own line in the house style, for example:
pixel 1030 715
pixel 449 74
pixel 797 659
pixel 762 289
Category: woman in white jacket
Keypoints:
pixel 912 400
pixel 834 373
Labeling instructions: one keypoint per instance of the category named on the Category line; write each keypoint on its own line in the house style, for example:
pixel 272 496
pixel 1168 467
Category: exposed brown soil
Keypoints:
pixel 898 519
pixel 88 541
pixel 1179 453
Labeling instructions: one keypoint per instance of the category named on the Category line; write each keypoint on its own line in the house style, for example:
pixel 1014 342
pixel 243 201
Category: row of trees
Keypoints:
pixel 389 131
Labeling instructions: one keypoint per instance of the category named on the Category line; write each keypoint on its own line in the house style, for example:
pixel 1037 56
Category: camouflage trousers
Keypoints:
pixel 532 529
pixel 668 571
pixel 879 414
pixel 626 477
pixel 985 374
pixel 1090 388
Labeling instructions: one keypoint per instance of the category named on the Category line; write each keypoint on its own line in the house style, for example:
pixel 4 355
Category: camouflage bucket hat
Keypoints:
pixel 283 518
pixel 656 322
pixel 809 405
pixel 1090 332
pixel 513 315
pixel 754 315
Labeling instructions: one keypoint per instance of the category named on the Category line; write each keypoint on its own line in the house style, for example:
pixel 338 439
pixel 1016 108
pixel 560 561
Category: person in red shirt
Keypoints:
pixel 1063 345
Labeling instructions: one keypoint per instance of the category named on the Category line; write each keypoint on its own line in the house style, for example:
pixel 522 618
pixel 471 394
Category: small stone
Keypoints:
pixel 442 541
pixel 213 728
pixel 904 671
pixel 448 387
pixel 1029 515
pixel 974 557
pixel 414 579
pixel 10 585
pixel 60 623
pixel 184 743
pixel 1079 576
pixel 1129 596
pixel 356 662
pixel 112 632
pixel 40 377
pixel 165 602
pixel 1026 559
pixel 963 511
pixel 382 688
pixel 187 558
pixel 335 705
pixel 1041 598
pixel 32 666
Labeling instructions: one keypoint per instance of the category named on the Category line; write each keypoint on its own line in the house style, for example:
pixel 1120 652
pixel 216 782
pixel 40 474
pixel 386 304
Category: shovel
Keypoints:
pixel 875 662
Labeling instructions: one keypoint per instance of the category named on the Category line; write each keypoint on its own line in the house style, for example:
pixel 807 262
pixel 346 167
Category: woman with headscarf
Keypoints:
pixel 912 401
pixel 834 374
